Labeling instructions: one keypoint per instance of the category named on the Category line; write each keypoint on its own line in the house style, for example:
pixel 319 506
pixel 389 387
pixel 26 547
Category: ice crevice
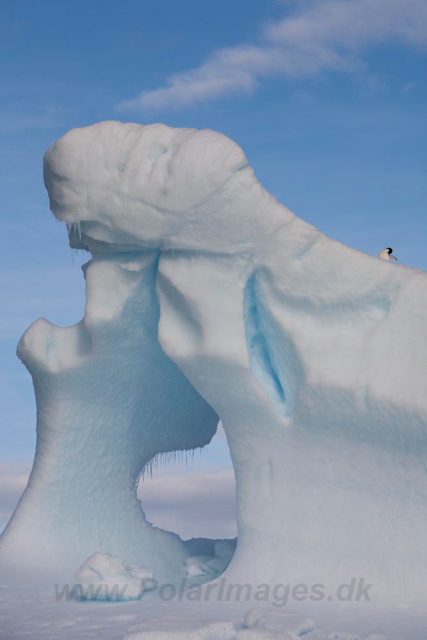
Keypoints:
pixel 260 352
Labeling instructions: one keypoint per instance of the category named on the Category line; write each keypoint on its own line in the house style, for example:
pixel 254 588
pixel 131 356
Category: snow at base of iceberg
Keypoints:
pixel 110 578
pixel 181 628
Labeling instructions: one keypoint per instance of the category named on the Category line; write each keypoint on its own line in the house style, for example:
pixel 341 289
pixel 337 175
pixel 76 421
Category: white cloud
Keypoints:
pixel 319 36
pixel 195 501
pixel 193 504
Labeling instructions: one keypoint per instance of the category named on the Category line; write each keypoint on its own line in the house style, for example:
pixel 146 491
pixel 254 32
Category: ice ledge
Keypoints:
pixel 159 187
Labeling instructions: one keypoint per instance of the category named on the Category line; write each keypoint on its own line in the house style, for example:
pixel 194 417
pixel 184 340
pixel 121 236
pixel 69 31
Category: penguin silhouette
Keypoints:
pixel 386 254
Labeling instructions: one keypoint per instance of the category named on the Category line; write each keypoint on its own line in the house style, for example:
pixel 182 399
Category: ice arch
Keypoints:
pixel 207 298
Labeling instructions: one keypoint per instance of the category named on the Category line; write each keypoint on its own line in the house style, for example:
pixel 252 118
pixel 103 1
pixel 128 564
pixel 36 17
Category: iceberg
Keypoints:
pixel 207 299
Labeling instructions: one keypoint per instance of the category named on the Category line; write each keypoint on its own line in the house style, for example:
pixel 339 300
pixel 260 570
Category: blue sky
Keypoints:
pixel 326 97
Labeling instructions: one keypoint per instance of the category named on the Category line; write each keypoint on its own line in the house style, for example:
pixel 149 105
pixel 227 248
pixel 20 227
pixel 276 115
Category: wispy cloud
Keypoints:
pixel 195 501
pixel 319 36
pixel 193 504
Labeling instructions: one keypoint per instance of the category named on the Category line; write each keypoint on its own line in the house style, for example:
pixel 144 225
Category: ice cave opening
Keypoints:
pixel 193 494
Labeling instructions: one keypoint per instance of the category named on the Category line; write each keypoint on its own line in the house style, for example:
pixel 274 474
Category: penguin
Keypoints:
pixel 385 254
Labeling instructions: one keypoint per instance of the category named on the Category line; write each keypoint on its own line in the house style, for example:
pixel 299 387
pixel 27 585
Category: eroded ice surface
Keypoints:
pixel 206 298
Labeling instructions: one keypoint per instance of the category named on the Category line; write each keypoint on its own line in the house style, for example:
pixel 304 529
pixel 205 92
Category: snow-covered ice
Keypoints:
pixel 208 299
pixel 181 628
pixel 279 621
pixel 261 634
pixel 212 564
pixel 111 578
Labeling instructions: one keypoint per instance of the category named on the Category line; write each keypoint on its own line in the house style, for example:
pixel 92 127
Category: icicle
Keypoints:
pixel 77 229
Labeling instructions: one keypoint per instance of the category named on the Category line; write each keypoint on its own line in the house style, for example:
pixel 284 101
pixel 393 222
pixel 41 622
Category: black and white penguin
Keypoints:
pixel 386 254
